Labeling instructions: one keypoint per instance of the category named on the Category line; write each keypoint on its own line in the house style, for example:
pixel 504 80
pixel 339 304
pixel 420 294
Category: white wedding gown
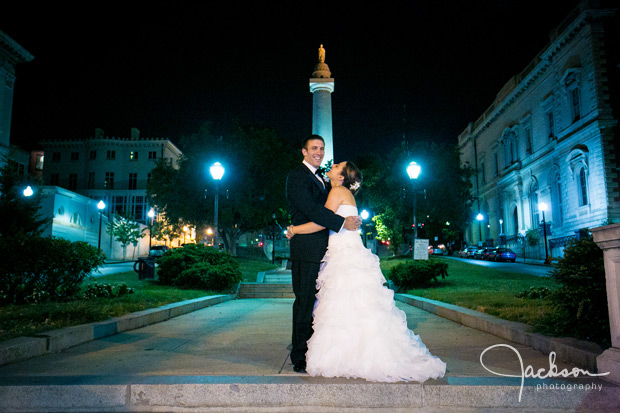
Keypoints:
pixel 358 331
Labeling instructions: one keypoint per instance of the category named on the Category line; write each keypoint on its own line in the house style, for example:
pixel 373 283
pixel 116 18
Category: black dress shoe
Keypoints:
pixel 300 366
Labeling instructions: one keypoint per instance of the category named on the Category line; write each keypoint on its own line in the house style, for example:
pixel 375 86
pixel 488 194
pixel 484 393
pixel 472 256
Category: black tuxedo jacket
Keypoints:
pixel 307 197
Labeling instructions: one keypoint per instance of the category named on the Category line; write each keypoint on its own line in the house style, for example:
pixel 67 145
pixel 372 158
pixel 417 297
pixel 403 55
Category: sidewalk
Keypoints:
pixel 234 355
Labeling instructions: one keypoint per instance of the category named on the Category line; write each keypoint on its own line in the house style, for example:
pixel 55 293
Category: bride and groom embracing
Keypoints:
pixel 345 322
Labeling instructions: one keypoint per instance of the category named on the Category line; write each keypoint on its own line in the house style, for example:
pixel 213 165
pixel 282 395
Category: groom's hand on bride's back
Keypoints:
pixel 352 223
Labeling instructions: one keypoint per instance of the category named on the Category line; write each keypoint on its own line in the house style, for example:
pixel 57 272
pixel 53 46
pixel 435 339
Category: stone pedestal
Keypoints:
pixel 608 239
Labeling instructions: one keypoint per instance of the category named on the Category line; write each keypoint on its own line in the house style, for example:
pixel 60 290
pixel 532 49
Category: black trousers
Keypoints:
pixel 304 286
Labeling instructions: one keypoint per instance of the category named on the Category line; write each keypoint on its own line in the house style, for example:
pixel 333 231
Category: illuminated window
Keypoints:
pixel 133 156
pixel 109 180
pixel 39 162
pixel 583 187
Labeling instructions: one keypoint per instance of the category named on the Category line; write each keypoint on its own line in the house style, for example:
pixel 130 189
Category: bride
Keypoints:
pixel 358 331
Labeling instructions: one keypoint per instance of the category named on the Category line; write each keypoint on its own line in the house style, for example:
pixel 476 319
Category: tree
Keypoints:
pixel 21 218
pixel 443 191
pixel 257 162
pixel 126 231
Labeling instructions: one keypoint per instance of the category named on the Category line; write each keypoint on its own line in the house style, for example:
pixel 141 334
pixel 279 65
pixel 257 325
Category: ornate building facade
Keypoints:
pixel 11 54
pixel 545 150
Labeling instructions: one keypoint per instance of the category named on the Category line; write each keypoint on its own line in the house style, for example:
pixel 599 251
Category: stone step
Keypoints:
pixel 264 290
pixel 294 393
pixel 277 278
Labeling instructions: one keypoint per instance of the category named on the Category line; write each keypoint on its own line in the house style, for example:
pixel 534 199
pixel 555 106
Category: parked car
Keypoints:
pixel 482 253
pixel 158 250
pixel 468 252
pixel 502 254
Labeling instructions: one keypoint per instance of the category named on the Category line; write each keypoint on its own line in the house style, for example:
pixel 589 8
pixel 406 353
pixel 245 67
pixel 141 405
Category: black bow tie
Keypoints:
pixel 319 172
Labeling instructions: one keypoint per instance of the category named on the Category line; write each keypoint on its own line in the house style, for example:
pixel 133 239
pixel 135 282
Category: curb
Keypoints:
pixel 581 353
pixel 293 394
pixel 22 348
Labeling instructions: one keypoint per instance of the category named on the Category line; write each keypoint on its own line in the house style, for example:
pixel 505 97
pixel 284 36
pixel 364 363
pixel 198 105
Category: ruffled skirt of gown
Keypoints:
pixel 358 331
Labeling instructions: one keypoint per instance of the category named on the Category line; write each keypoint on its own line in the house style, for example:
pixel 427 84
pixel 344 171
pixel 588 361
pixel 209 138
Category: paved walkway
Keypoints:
pixel 235 354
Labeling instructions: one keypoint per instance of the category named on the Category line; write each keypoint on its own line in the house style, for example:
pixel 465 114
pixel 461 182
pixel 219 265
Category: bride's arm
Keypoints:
pixel 334 199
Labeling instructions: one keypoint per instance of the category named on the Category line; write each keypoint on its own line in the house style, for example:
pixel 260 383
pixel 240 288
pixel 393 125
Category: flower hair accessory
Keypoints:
pixel 355 186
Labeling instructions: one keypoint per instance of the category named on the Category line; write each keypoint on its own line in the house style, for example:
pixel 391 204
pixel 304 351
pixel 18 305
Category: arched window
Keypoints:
pixel 572 83
pixel 582 187
pixel 578 167
pixel 515 220
pixel 534 204
pixel 556 193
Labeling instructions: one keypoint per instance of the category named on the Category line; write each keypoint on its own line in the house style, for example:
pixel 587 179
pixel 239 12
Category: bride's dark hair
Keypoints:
pixel 352 177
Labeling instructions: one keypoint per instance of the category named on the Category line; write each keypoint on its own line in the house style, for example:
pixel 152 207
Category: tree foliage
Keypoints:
pixel 443 192
pixel 257 162
pixel 581 299
pixel 21 218
pixel 125 231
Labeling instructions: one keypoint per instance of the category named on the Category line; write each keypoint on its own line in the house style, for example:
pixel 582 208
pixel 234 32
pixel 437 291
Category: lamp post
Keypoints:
pixel 480 217
pixel 28 191
pixel 365 214
pixel 210 234
pixel 217 172
pixel 151 214
pixel 501 232
pixel 100 206
pixel 413 170
pixel 542 206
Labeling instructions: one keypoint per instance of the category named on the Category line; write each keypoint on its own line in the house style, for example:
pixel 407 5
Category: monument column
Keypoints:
pixel 321 87
pixel 608 239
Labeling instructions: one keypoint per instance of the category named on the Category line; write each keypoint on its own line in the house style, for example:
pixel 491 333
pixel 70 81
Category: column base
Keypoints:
pixel 609 361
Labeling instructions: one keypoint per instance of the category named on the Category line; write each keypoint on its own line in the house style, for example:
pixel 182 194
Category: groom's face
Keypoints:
pixel 314 152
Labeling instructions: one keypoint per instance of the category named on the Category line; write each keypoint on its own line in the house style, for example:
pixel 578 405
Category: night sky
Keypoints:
pixel 165 68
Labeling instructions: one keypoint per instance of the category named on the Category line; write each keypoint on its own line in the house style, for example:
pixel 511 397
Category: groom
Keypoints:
pixel 307 192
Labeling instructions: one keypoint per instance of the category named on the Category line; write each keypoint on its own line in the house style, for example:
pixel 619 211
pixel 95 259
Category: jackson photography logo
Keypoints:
pixel 528 371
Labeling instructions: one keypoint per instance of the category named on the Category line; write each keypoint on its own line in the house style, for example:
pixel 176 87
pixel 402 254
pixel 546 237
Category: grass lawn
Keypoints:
pixel 31 319
pixel 250 267
pixel 488 291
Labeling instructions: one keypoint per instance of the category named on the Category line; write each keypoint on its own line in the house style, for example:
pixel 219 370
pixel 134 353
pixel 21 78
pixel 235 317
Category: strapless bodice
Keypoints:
pixel 346 210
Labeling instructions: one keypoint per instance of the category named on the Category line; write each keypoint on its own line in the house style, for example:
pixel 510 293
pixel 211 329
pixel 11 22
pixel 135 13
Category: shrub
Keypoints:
pixel 580 302
pixel 534 293
pixel 45 269
pixel 97 290
pixel 198 266
pixel 417 274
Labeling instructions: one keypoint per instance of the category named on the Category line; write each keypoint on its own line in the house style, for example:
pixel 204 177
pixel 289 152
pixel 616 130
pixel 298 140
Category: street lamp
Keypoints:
pixel 480 217
pixel 100 206
pixel 365 214
pixel 413 170
pixel 217 172
pixel 543 207
pixel 151 214
pixel 501 232
pixel 209 234
pixel 28 191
